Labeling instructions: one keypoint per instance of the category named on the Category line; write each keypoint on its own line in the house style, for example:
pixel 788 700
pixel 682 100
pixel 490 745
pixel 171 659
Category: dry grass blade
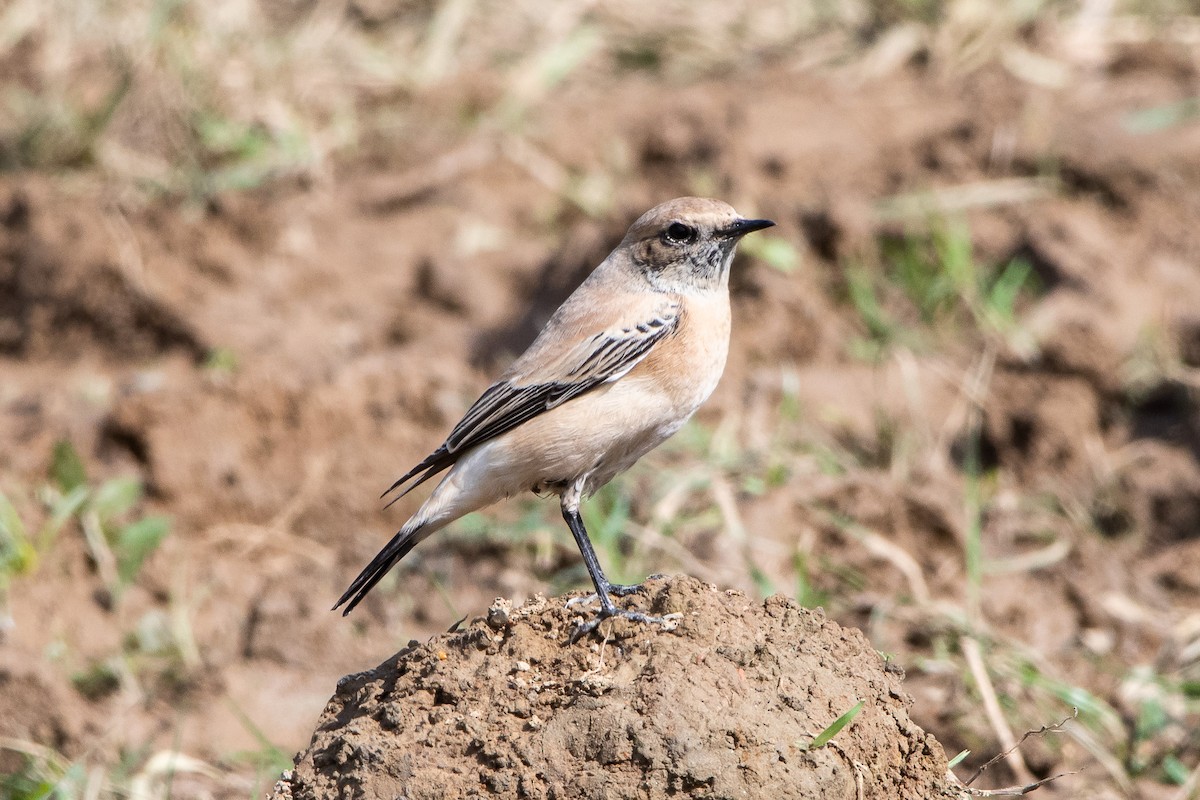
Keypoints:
pixel 277 532
pixel 1042 558
pixel 98 546
pixel 441 41
pixel 396 193
pixel 991 707
pixel 965 197
pixel 1107 759
pixel 887 550
pixel 154 779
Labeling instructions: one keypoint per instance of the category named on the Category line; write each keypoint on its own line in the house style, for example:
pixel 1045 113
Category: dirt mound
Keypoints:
pixel 724 705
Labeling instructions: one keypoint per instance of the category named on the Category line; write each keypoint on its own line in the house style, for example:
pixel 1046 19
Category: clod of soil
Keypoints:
pixel 724 705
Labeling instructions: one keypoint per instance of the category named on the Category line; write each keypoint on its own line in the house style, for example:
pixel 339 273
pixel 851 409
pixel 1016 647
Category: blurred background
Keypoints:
pixel 257 257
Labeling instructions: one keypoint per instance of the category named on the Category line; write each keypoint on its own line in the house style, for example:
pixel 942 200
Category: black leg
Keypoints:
pixel 603 587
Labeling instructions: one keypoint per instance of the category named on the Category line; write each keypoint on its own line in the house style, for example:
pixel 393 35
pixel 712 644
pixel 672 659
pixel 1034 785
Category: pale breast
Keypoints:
pixel 686 366
pixel 606 430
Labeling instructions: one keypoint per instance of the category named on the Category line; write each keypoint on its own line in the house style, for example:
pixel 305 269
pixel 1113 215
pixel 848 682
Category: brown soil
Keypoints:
pixel 723 705
pixel 363 317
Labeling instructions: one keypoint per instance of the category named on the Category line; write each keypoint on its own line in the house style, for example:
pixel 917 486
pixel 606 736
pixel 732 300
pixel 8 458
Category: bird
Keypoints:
pixel 619 367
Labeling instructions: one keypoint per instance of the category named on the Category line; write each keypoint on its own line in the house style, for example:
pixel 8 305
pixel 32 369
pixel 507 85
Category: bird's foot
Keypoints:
pixel 667 621
pixel 614 589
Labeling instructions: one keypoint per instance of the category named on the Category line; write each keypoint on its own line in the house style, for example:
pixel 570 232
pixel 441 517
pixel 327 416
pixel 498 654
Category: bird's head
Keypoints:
pixel 686 244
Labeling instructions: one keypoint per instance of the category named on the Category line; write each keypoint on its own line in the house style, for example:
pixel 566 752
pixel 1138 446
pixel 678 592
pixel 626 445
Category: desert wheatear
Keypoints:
pixel 620 366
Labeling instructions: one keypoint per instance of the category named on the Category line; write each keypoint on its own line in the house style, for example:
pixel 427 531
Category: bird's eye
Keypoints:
pixel 678 233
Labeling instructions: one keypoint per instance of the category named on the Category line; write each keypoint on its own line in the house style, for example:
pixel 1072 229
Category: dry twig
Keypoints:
pixel 1031 785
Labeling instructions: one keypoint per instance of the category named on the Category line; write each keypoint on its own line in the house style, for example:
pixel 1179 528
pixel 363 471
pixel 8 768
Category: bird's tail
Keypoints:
pixel 468 486
pixel 404 541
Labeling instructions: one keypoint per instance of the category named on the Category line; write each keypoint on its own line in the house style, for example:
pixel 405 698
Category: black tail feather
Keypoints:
pixel 429 473
pixel 434 463
pixel 400 546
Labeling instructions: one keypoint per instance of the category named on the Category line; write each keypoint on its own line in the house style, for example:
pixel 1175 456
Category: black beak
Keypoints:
pixel 743 226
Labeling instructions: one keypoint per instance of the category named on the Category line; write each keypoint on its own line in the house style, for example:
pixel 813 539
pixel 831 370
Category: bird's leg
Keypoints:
pixel 570 512
pixel 604 589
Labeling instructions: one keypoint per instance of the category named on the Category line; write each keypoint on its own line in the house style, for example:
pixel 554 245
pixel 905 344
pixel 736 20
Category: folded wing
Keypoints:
pixel 540 381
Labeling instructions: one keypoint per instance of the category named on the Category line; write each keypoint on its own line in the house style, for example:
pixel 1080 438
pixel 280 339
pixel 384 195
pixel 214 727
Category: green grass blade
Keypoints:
pixel 823 738
pixel 66 467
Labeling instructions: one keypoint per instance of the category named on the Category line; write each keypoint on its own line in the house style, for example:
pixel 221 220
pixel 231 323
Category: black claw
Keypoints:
pixel 584 628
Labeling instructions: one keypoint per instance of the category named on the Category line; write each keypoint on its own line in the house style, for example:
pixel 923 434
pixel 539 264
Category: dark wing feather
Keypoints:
pixel 506 404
